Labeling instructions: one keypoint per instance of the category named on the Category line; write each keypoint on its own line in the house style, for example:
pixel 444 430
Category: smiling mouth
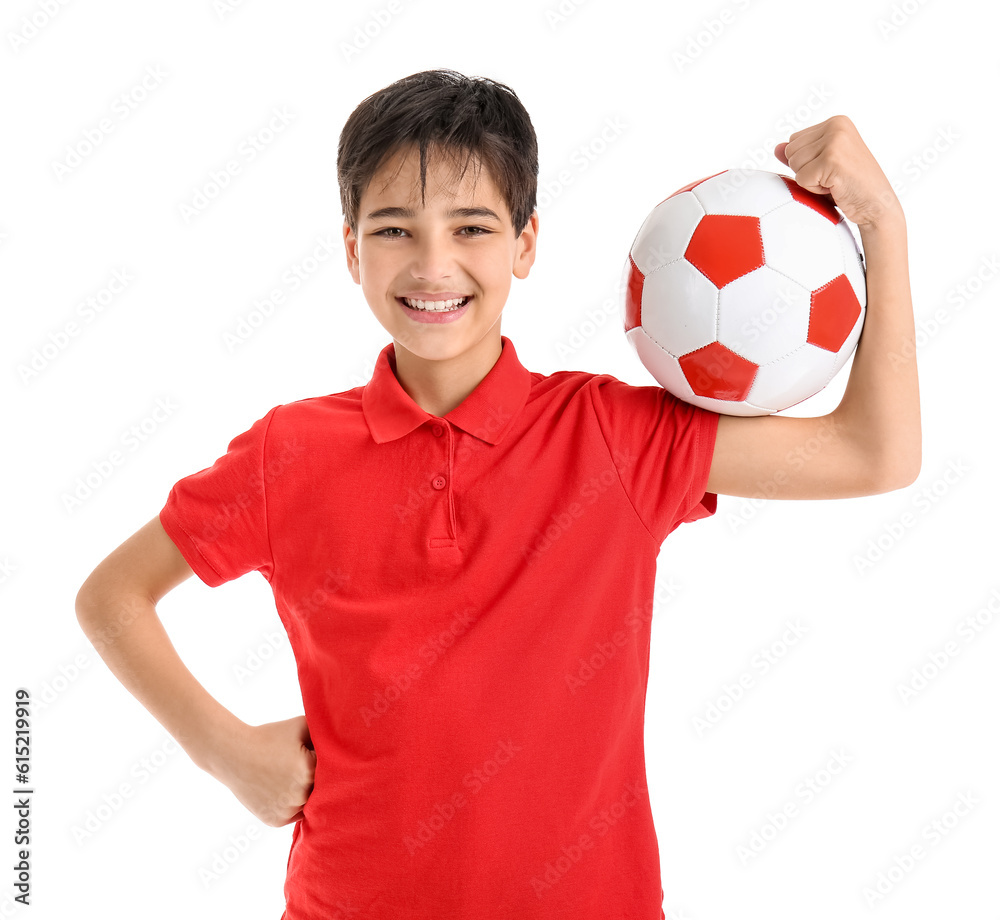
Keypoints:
pixel 435 306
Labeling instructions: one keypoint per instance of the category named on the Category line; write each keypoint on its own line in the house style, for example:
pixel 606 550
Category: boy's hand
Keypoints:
pixel 270 769
pixel 830 158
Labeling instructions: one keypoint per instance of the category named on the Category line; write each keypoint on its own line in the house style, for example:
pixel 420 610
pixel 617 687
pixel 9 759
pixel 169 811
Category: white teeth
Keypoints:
pixel 435 306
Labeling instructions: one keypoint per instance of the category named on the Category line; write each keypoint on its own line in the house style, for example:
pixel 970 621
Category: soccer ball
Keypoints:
pixel 744 293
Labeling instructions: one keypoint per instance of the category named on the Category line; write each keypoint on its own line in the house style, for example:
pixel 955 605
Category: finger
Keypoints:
pixel 800 153
pixel 779 152
pixel 811 175
pixel 806 132
pixel 810 181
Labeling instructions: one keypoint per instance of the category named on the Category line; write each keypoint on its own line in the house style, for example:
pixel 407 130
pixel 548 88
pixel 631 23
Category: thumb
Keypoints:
pixel 303 728
pixel 779 152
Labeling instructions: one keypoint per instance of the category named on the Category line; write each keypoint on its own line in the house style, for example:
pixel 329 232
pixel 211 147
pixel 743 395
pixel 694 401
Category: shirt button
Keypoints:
pixel 438 431
pixel 438 482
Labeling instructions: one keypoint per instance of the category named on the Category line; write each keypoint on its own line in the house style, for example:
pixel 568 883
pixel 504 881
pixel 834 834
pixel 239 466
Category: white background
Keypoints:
pixel 762 70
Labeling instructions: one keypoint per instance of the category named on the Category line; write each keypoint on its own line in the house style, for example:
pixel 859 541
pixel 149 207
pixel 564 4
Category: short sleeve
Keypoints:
pixel 217 517
pixel 662 448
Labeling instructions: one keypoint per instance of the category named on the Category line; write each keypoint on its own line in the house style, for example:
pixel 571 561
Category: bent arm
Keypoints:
pixel 116 608
pixel 269 767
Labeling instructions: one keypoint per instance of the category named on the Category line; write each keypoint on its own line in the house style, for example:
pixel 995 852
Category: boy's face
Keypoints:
pixel 459 243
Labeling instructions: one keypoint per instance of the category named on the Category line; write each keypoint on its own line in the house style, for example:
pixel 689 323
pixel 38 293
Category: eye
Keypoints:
pixel 475 231
pixel 389 233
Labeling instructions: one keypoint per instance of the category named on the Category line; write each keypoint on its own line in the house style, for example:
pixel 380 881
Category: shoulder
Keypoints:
pixel 572 382
pixel 607 395
pixel 292 424
pixel 309 408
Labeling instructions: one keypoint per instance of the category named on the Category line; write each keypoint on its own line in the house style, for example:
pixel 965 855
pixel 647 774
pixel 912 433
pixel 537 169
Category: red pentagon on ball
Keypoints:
pixel 633 295
pixel 725 247
pixel 833 311
pixel 718 372
pixel 821 204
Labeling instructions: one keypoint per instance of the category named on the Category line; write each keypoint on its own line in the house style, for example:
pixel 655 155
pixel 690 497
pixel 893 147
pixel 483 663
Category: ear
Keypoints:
pixel 351 247
pixel 524 256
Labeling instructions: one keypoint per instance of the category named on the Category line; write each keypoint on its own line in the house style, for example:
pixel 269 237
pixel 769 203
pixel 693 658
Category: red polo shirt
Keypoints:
pixel 469 600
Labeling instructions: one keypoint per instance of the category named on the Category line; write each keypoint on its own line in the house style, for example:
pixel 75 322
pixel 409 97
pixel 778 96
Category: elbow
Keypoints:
pixel 90 615
pixel 105 612
pixel 908 467
pixel 84 607
pixel 912 473
pixel 91 603
pixel 898 473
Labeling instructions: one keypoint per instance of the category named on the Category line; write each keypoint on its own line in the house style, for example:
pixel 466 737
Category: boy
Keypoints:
pixel 450 544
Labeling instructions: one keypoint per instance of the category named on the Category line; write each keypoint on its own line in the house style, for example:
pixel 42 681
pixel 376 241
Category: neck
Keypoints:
pixel 438 386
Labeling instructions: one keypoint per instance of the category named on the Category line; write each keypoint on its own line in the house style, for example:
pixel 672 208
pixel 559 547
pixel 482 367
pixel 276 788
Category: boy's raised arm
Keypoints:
pixel 871 442
pixel 270 767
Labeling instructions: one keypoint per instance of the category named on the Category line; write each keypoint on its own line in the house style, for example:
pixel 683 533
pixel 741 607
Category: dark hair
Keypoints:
pixel 454 114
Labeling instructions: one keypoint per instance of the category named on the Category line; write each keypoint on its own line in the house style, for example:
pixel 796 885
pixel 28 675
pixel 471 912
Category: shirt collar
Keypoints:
pixel 486 413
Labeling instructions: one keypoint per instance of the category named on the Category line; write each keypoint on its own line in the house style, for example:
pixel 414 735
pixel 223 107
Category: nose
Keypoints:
pixel 433 259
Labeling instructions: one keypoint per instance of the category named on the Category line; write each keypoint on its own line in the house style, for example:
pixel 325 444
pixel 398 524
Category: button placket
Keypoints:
pixel 444 481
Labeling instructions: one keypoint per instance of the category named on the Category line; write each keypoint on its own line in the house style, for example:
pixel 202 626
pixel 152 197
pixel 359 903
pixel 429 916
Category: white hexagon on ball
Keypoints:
pixel 687 302
pixel 792 378
pixel 763 315
pixel 752 192
pixel 802 244
pixel 666 232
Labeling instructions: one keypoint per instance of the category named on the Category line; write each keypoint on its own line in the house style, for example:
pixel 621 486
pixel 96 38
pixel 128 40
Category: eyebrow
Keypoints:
pixel 456 212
